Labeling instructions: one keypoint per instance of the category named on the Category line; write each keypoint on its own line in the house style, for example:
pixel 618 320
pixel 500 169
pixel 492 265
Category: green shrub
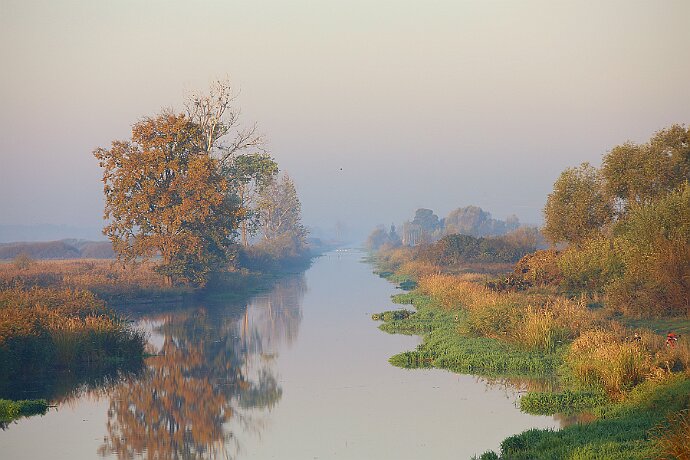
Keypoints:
pixel 11 410
pixel 654 242
pixel 590 267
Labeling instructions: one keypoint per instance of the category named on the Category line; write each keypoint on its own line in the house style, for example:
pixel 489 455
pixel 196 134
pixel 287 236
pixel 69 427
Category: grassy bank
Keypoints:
pixel 615 369
pixel 13 410
pixel 446 346
pixel 641 426
pixel 140 285
pixel 105 278
pixel 62 329
pixel 53 341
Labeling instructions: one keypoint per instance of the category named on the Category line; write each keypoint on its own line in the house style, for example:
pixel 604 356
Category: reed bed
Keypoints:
pixel 62 328
pixel 533 321
pixel 106 278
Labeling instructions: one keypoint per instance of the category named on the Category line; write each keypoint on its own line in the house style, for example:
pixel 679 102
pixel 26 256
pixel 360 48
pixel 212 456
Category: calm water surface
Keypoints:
pixel 300 372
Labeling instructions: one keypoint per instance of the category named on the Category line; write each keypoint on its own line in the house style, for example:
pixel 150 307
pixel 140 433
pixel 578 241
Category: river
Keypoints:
pixel 299 372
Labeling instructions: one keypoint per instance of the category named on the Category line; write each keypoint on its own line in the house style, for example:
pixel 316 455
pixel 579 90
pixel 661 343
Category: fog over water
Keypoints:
pixel 439 104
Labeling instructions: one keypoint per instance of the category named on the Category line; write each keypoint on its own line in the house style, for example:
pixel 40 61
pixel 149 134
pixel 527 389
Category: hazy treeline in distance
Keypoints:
pixel 62 249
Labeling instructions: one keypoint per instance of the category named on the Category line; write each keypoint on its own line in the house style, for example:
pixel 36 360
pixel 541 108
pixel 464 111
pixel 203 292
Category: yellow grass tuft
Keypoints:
pixel 607 358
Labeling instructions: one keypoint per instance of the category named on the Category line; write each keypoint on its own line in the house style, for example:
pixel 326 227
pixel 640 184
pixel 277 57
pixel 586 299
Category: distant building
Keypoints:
pixel 412 234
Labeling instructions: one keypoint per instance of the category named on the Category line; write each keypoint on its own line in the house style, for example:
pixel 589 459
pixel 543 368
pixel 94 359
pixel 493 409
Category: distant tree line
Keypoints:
pixel 187 185
pixel 426 227
pixel 458 249
pixel 63 249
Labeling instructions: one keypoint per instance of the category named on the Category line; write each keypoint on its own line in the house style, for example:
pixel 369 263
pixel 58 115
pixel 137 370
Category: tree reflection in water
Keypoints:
pixel 209 374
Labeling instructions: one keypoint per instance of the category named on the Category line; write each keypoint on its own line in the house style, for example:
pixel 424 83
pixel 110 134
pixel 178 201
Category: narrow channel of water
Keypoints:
pixel 300 372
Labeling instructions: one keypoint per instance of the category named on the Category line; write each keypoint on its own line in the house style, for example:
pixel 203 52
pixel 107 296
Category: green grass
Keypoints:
pixel 661 325
pixel 622 431
pixel 567 402
pixel 628 429
pixel 445 347
pixel 12 410
pixel 404 282
pixel 392 315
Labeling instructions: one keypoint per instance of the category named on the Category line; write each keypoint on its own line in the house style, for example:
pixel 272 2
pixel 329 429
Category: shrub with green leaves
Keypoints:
pixel 654 241
pixel 11 410
pixel 590 267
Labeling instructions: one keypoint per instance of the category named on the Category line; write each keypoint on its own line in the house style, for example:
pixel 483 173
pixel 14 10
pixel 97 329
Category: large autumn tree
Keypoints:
pixel 165 196
pixel 177 188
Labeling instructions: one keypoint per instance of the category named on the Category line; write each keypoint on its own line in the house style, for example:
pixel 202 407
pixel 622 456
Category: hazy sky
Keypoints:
pixel 434 104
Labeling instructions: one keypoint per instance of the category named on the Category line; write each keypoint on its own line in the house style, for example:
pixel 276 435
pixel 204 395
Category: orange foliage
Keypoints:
pixel 165 196
pixel 173 411
pixel 51 312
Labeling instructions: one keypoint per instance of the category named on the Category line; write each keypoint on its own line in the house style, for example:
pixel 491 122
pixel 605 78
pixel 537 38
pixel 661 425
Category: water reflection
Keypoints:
pixel 522 384
pixel 212 370
pixel 272 320
pixel 236 381
pixel 64 386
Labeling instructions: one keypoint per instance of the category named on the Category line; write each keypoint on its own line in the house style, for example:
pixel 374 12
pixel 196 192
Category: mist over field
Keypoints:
pixel 375 109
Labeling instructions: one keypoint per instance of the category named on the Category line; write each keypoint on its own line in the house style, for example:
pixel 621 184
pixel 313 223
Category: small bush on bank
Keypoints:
pixel 539 268
pixel 605 359
pixel 12 410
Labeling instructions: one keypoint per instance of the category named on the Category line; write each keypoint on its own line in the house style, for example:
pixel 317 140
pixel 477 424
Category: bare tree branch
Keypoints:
pixel 218 117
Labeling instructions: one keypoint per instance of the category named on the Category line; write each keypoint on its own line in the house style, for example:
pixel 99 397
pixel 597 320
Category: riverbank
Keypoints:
pixel 64 325
pixel 291 357
pixel 55 339
pixel 445 347
pixel 141 283
pixel 13 410
pixel 631 386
